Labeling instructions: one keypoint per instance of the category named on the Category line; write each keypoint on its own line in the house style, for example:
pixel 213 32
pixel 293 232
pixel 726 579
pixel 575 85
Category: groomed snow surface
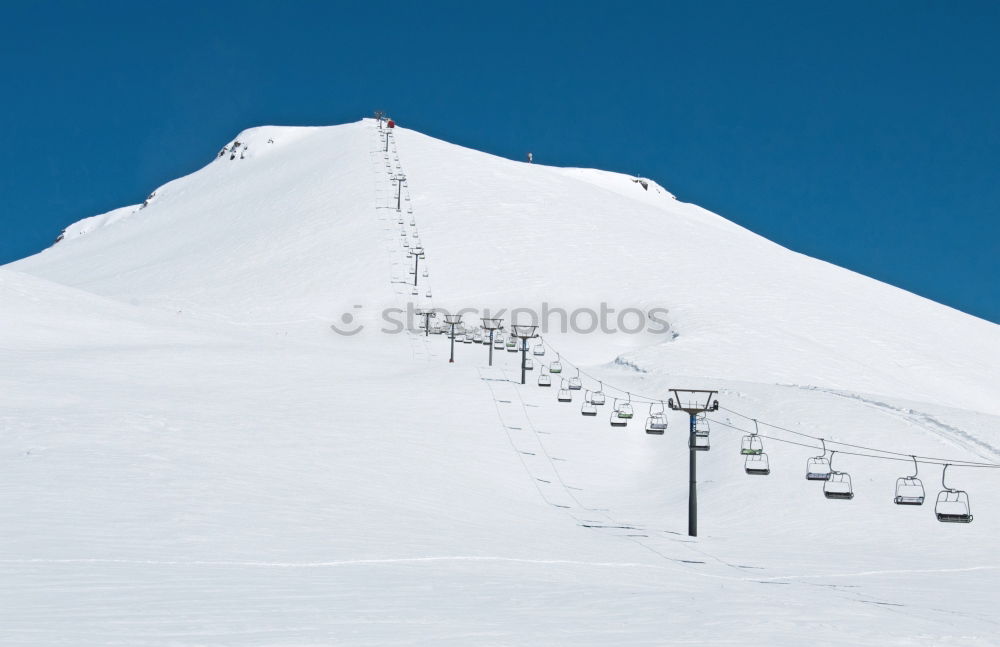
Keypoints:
pixel 192 456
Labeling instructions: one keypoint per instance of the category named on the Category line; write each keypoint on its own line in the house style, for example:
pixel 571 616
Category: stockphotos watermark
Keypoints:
pixel 586 320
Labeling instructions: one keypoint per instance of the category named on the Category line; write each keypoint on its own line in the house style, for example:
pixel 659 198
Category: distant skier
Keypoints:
pixel 531 158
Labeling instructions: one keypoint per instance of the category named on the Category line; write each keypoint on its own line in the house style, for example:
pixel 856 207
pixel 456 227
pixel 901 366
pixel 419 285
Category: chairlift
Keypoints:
pixel 909 489
pixel 838 485
pixel 478 337
pixel 757 464
pixel 498 343
pixel 556 365
pixel 656 423
pixel 538 350
pixel 529 364
pixel 699 443
pixel 597 397
pixel 574 382
pixel 625 408
pixel 952 505
pixel 564 395
pixel 544 379
pixel 699 440
pixel 818 467
pixel 468 339
pixel 588 408
pixel 752 444
pixel 616 419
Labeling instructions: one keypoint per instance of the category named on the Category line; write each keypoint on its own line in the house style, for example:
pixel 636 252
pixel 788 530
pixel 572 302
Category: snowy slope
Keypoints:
pixel 192 456
pixel 260 239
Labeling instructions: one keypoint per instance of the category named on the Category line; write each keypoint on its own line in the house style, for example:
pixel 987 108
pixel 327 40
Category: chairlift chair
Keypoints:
pixel 616 419
pixel 818 467
pixel 597 397
pixel 625 408
pixel 587 408
pixel 757 464
pixel 952 505
pixel 429 294
pixel 575 384
pixel 498 343
pixel 656 423
pixel 512 345
pixel 556 365
pixel 544 379
pixel 468 339
pixel 413 292
pixel 564 395
pixel 538 350
pixel 752 444
pixel 478 337
pixel 909 489
pixel 529 364
pixel 699 441
pixel 839 485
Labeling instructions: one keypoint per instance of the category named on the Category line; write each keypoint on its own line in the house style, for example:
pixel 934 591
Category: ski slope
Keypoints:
pixel 193 456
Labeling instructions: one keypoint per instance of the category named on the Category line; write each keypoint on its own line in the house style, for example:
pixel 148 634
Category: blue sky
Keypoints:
pixel 863 133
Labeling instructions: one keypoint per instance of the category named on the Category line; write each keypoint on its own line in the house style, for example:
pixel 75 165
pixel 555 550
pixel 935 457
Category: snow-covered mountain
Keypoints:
pixel 195 457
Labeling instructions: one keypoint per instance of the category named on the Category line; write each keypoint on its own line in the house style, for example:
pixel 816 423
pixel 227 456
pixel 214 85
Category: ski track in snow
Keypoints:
pixel 958 437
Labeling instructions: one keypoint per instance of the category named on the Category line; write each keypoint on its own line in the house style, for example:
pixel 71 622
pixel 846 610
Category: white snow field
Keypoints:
pixel 192 456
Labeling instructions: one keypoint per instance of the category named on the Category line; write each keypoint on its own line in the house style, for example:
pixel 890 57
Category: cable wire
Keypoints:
pixel 864 451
